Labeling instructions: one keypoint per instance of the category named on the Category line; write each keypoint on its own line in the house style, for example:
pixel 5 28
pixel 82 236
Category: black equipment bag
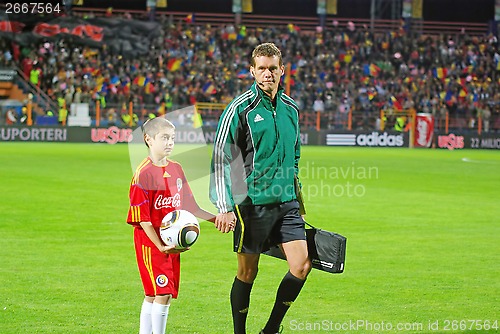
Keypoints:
pixel 326 250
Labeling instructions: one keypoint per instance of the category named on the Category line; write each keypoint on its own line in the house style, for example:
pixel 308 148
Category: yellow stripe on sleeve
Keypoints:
pixel 143 164
pixel 135 213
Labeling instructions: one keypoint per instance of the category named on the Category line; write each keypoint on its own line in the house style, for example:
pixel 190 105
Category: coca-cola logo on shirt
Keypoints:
pixel 168 202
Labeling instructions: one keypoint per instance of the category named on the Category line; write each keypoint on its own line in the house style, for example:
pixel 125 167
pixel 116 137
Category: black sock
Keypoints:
pixel 288 291
pixel 240 300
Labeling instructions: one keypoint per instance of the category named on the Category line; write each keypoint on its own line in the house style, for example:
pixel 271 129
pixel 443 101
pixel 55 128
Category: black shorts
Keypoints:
pixel 260 226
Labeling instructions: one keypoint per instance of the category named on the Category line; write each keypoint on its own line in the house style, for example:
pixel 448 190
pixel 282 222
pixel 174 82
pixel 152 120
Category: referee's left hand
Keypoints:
pixel 225 222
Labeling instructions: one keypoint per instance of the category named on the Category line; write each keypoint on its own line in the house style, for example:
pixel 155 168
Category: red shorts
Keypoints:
pixel 160 273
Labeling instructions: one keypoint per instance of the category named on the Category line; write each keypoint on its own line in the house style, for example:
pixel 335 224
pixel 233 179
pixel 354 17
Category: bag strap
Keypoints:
pixel 298 194
pixel 310 225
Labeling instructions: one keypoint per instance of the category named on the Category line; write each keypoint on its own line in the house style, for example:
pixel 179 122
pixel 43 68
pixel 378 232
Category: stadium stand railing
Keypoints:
pixel 309 120
pixel 306 23
pixel 42 102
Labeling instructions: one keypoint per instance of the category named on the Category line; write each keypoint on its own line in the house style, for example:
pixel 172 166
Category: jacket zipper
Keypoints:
pixel 280 161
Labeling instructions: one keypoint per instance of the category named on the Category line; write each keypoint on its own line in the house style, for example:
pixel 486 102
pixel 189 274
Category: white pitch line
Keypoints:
pixel 481 161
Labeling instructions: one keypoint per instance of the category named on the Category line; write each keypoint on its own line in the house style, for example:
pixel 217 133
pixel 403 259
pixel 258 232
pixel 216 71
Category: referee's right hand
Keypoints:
pixel 225 222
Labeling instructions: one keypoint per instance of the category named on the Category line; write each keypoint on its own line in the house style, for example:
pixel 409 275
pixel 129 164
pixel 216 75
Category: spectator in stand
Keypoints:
pixel 485 116
pixel 27 66
pixel 112 117
pixel 35 74
pixel 67 6
pixel 319 105
pixel 151 9
pixel 77 98
pixel 63 115
pixel 68 97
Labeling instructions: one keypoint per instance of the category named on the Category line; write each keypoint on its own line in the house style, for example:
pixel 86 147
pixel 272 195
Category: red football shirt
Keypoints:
pixel 157 190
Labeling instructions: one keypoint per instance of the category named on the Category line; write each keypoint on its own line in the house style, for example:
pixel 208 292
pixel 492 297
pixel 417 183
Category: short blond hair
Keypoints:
pixel 153 126
pixel 266 50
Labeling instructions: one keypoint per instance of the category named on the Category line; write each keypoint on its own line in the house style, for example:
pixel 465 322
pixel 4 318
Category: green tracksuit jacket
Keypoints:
pixel 256 151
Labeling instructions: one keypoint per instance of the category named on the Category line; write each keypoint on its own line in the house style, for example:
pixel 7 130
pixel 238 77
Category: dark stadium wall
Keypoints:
pixel 285 7
pixel 481 11
pixel 354 8
pixel 207 6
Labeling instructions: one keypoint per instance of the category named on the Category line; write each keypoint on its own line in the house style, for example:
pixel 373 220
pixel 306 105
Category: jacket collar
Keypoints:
pixel 266 99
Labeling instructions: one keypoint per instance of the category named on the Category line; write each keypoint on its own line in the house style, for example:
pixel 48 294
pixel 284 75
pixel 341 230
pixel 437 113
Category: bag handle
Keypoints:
pixel 300 199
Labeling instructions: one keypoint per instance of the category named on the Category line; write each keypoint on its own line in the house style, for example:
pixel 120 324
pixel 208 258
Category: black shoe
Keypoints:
pixel 279 332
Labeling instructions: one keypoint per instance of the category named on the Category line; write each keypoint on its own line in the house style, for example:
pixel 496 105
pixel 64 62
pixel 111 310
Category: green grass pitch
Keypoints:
pixel 423 247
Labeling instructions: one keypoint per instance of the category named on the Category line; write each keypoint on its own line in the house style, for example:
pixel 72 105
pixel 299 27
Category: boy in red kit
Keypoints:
pixel 158 187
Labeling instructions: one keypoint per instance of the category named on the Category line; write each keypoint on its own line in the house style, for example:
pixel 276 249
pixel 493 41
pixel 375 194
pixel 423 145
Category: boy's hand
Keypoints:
pixel 171 249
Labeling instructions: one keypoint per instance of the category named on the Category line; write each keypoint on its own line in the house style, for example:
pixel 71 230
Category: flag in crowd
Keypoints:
pixel 371 69
pixel 209 88
pixel 243 74
pixel 396 104
pixel 174 64
pixel 440 72
pixel 189 18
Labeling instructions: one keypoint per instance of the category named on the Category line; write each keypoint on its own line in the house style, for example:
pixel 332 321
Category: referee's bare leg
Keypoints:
pixel 299 267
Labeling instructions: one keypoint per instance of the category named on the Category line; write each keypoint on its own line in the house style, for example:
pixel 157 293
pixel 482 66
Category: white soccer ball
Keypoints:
pixel 179 228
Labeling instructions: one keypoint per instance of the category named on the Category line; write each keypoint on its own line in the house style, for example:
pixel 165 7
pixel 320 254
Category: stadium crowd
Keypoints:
pixel 332 70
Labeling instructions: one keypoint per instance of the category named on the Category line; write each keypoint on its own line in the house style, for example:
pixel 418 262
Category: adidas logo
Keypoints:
pixel 258 118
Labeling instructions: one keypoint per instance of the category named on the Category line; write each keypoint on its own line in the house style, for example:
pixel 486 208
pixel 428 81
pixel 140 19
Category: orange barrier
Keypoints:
pixel 97 113
pixel 131 113
pixel 447 122
pixel 29 110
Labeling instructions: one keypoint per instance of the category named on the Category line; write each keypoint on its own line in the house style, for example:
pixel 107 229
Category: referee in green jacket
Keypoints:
pixel 254 168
